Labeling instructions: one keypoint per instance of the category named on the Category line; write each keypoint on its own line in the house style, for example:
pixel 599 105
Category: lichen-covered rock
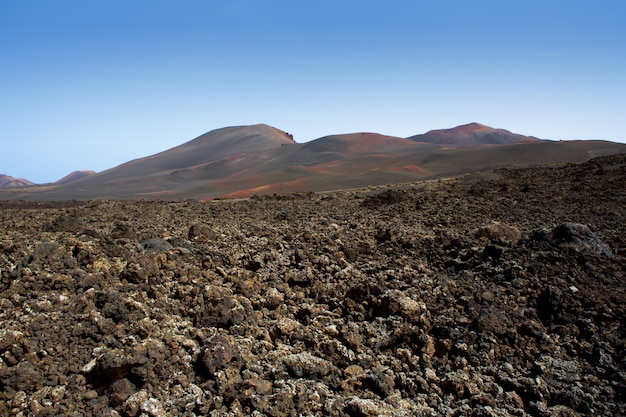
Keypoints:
pixel 133 403
pixel 363 408
pixel 152 407
pixel 307 365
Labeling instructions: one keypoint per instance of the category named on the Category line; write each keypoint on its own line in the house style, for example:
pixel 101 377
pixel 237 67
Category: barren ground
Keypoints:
pixel 493 295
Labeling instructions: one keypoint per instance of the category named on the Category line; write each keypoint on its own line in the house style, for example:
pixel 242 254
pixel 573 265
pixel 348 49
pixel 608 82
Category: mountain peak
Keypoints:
pixel 466 129
pixel 472 126
pixel 6 181
pixel 248 136
pixel 75 176
pixel 471 134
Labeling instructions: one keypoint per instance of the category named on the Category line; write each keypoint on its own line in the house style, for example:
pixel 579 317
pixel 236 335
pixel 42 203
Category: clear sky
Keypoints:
pixel 90 84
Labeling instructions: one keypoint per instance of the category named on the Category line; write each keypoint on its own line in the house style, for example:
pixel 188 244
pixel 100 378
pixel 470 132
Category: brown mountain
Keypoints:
pixel 7 181
pixel 227 144
pixel 75 176
pixel 472 134
pixel 242 161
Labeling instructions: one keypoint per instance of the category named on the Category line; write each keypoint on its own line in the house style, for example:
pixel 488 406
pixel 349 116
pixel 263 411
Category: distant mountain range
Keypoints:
pixel 241 161
pixel 6 181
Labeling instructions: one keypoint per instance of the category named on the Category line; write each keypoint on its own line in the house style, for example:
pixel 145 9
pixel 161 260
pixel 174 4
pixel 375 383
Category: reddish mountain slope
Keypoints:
pixel 7 181
pixel 472 134
pixel 75 176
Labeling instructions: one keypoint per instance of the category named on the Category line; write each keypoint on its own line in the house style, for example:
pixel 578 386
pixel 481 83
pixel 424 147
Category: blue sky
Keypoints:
pixel 88 84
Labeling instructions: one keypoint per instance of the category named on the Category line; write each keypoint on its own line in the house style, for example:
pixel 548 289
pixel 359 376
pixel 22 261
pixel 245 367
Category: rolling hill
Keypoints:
pixel 472 134
pixel 6 181
pixel 74 176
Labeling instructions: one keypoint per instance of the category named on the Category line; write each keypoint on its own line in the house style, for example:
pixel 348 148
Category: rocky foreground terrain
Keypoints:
pixel 496 294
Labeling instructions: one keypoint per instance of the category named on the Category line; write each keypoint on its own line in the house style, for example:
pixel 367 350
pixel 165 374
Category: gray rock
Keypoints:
pixel 575 236
pixel 559 369
pixel 156 245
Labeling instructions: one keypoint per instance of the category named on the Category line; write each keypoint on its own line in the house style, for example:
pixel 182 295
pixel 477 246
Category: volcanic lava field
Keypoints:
pixel 499 293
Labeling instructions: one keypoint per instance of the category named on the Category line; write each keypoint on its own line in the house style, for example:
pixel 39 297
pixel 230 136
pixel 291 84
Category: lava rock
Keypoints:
pixel 499 232
pixel 574 236
pixel 219 352
pixel 120 390
pixel 200 232
pixel 414 303
pixel 306 365
pixel 156 245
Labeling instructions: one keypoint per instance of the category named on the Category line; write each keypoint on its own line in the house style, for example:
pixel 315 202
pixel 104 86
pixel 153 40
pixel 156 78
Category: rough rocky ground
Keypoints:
pixel 499 294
